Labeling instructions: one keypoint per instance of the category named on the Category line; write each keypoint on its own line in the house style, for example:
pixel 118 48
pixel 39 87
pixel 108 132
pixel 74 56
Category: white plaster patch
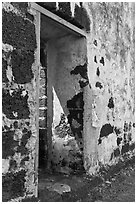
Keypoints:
pixel 10 8
pixel 57 5
pixel 15 114
pixel 106 147
pixel 18 135
pixel 11 91
pixel 5 120
pixel 43 97
pixel 7 47
pixel 31 143
pixel 17 157
pixel 5 166
pixel 42 108
pixel 72 6
pixel 9 73
pixel 24 93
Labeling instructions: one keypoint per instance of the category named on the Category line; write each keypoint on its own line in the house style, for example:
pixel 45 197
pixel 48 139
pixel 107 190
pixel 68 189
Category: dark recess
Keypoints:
pixel 95 59
pixel 95 42
pixel 111 103
pixel 76 108
pixel 98 72
pixel 119 139
pixel 117 130
pixel 102 61
pixel 99 85
pixel 106 130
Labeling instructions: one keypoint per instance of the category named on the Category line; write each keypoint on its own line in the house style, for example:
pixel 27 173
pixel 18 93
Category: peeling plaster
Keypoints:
pixel 5 166
pixel 105 67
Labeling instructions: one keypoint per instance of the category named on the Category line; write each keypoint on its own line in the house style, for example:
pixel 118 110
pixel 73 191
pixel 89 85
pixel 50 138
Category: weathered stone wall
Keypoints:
pixel 19 95
pixel 110 103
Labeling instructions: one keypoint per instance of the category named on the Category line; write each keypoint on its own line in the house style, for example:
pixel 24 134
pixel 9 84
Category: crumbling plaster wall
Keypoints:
pixel 20 72
pixel 110 103
pixel 67 62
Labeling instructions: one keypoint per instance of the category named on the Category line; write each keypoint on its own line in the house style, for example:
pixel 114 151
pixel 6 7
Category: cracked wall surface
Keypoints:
pixel 110 103
pixel 19 72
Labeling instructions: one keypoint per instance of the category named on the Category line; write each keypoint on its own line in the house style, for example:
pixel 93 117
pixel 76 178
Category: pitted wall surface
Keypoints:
pixel 19 132
pixel 109 117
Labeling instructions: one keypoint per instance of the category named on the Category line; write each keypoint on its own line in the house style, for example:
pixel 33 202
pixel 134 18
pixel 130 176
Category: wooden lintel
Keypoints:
pixel 75 29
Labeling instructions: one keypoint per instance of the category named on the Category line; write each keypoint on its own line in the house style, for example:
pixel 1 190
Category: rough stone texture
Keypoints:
pixel 19 133
pixel 110 103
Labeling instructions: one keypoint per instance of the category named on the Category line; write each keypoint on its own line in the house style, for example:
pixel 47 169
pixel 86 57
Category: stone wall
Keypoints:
pixel 109 121
pixel 19 96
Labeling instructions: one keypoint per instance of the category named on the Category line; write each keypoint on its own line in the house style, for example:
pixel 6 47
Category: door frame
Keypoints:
pixel 37 11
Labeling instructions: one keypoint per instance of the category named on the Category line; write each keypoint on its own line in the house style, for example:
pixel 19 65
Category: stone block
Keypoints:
pixel 21 62
pixel 15 106
pixel 17 31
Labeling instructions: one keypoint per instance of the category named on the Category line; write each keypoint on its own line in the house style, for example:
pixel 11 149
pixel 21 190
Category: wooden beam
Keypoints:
pixel 73 28
pixel 37 54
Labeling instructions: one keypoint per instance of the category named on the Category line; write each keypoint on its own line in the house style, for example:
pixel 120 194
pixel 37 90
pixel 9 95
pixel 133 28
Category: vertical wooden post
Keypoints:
pixel 37 56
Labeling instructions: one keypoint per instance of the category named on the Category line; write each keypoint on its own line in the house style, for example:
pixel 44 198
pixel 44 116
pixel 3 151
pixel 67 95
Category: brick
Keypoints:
pixel 43 81
pixel 42 113
pixel 43 102
pixel 42 91
pixel 43 123
pixel 43 73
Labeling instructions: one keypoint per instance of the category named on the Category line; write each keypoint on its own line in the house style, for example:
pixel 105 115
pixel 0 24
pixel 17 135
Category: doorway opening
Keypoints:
pixel 61 103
